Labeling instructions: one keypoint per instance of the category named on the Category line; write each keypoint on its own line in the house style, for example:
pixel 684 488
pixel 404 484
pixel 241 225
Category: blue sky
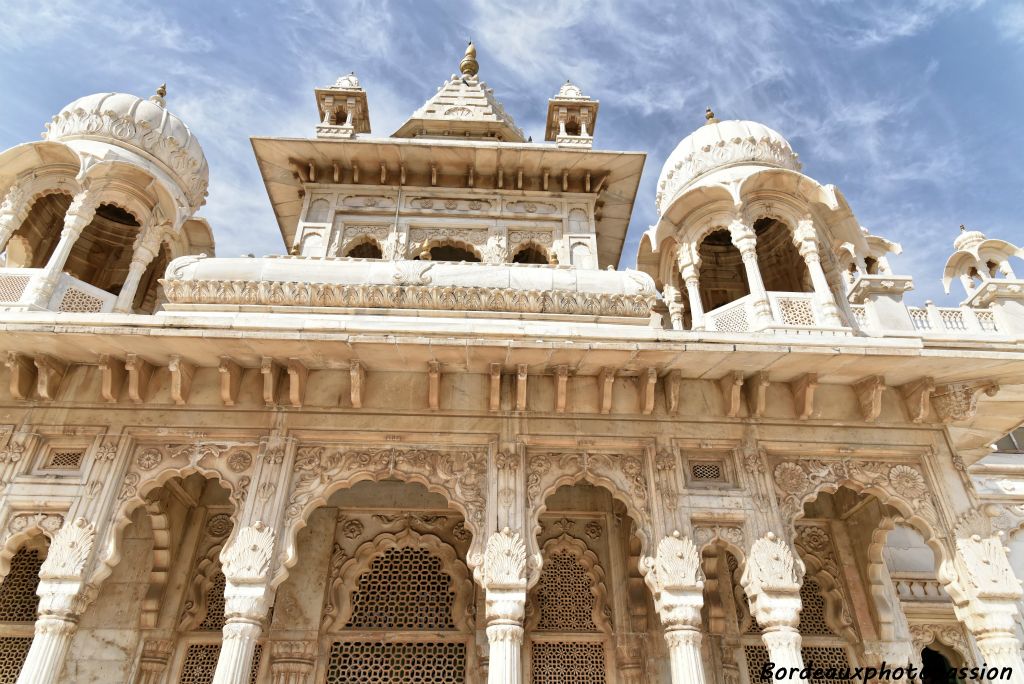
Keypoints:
pixel 913 108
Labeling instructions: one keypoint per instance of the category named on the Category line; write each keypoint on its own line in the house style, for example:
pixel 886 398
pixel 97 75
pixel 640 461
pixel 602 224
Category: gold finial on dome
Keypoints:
pixel 962 228
pixel 469 66
pixel 161 93
pixel 710 116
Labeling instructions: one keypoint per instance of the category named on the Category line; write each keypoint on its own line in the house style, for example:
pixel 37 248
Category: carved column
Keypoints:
pixel 674 301
pixel 79 215
pixel 745 241
pixel 991 611
pixel 145 249
pixel 13 212
pixel 292 661
pixel 806 239
pixel 502 576
pixel 771 580
pixel 677 584
pixel 63 596
pixel 689 272
pixel 246 566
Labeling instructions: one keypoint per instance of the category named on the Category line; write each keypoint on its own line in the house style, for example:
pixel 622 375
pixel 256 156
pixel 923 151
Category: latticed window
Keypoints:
pixel 567 645
pixel 403 592
pixel 379 662
pixel 214 620
pixel 18 600
pixel 405 588
pixel 18 604
pixel 812 613
pixel 201 664
pixel 564 598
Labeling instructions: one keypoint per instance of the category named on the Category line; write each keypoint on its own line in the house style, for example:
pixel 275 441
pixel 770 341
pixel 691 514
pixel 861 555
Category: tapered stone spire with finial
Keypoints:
pixel 469 66
pixel 161 93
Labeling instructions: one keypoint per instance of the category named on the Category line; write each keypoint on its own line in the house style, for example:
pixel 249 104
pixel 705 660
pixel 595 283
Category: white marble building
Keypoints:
pixel 443 440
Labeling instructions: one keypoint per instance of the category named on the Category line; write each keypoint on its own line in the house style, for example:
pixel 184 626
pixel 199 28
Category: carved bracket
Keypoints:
pixel 112 374
pixel 271 372
pixel 139 373
pixel 803 395
pixel 434 385
pixel 561 383
pixel 230 380
pixel 297 374
pixel 605 381
pixel 869 393
pixel 731 385
pixel 918 395
pixel 957 401
pixel 23 375
pixel 672 382
pixel 181 379
pixel 495 387
pixel 357 374
pixel 50 373
pixel 757 393
pixel 522 374
pixel 648 383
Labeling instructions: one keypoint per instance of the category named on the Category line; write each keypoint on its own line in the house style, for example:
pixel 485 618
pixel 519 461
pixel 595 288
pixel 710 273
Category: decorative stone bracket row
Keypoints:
pixel 951 402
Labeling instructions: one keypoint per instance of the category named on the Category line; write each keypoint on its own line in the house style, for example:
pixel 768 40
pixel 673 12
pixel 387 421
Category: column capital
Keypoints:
pixel 743 236
pixel 771 579
pixel 676 581
pixel 81 211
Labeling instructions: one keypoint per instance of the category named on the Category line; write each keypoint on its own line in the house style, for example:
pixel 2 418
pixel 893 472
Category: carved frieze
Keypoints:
pixel 459 473
pixel 235 292
pixel 797 480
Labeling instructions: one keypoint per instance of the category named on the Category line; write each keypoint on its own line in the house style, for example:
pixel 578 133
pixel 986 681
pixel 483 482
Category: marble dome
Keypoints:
pixel 140 125
pixel 720 144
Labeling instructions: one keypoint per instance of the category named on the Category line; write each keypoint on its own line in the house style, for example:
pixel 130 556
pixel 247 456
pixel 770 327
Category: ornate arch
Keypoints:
pixel 529 243
pixel 458 475
pixel 354 567
pixel 152 466
pixel 623 475
pixel 903 486
pixel 588 560
pixel 449 242
pixel 358 241
pixel 22 527
pixel 950 635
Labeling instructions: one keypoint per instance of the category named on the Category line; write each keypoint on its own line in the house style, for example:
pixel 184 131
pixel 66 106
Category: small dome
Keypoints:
pixel 570 90
pixel 719 144
pixel 968 239
pixel 140 125
pixel 348 81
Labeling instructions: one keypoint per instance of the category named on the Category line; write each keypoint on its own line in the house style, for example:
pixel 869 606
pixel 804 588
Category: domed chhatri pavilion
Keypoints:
pixel 442 440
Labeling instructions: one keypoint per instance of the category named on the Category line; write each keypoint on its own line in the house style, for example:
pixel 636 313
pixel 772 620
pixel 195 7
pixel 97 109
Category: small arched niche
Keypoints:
pixel 722 276
pixel 451 251
pixel 364 248
pixel 782 267
pixel 102 253
pixel 33 242
pixel 530 253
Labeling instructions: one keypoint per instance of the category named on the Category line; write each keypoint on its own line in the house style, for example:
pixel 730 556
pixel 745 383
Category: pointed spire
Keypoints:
pixel 469 66
pixel 710 116
pixel 161 93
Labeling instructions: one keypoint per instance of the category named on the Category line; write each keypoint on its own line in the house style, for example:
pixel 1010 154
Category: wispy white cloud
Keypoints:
pixel 1011 22
pixel 861 87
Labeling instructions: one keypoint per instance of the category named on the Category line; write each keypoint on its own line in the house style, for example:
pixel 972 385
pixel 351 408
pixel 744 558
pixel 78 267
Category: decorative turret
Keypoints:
pixel 343 109
pixel 462 107
pixel 983 266
pixel 571 117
